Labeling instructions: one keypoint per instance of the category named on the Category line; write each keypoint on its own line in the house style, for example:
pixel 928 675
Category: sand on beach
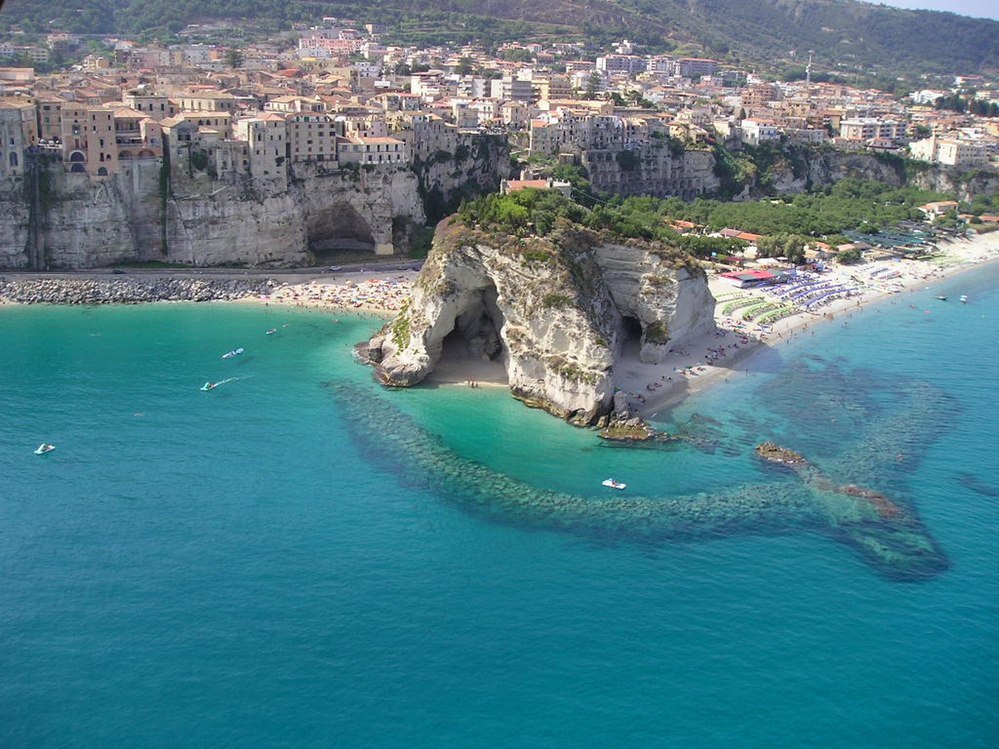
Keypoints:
pixel 713 358
pixel 381 293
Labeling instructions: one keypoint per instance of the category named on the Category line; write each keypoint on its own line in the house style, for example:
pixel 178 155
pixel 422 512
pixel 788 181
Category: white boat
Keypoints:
pixel 44 448
pixel 231 354
pixel 611 483
pixel 942 298
pixel 964 298
pixel 208 386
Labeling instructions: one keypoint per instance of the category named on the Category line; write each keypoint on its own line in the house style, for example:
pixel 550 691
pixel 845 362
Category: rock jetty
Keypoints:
pixel 128 290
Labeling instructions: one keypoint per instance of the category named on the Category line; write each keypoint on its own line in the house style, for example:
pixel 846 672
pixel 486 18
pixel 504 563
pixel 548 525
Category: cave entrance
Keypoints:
pixel 631 336
pixel 473 350
pixel 339 234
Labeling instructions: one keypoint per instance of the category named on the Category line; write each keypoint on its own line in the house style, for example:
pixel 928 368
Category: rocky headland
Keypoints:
pixel 558 312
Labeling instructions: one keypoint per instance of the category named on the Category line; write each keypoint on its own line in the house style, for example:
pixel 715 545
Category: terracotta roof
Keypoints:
pixel 512 185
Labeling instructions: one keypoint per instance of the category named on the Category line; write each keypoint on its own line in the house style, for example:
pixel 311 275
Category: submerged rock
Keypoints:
pixel 774 453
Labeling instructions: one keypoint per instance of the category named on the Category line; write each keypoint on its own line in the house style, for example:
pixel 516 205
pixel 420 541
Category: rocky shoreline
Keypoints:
pixel 128 290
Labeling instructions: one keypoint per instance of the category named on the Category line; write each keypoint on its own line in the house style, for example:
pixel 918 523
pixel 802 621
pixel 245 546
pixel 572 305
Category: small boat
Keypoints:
pixel 272 331
pixel 964 298
pixel 942 298
pixel 231 354
pixel 208 386
pixel 44 448
pixel 611 483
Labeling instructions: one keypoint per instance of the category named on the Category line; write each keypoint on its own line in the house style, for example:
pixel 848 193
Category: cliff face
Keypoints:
pixel 470 167
pixel 557 312
pixel 652 170
pixel 826 167
pixel 965 185
pixel 75 222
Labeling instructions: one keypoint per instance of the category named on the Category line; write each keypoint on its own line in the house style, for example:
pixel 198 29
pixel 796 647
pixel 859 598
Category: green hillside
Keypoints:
pixel 845 35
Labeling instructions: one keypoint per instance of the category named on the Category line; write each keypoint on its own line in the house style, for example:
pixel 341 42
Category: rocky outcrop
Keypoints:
pixel 774 453
pixel 557 312
pixel 821 167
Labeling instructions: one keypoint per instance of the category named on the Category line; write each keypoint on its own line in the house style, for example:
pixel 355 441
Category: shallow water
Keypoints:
pixel 299 557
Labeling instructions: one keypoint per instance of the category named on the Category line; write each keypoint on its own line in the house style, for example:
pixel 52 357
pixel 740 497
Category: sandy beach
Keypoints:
pixel 697 364
pixel 376 292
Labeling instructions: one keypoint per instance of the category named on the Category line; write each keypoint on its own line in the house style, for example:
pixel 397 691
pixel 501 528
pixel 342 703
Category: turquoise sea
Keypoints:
pixel 300 558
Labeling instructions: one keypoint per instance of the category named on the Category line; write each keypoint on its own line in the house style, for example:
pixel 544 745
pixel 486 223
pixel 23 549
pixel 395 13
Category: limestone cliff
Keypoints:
pixel 820 167
pixel 558 312
pixel 57 220
pixel 471 165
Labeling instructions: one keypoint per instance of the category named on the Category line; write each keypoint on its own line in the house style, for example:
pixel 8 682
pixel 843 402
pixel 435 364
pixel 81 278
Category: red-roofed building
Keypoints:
pixel 513 185
pixel 738 234
pixel 744 279
pixel 682 226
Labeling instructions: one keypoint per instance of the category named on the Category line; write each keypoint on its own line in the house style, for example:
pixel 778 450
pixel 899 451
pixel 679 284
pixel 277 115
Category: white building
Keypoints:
pixel 756 131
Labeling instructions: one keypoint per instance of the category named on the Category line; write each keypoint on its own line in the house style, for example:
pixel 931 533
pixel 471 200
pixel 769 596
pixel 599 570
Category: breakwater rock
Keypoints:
pixel 128 290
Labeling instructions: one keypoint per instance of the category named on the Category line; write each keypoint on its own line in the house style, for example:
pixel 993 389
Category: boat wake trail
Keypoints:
pixel 212 385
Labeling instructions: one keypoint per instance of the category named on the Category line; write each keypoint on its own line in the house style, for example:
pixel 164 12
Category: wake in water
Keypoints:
pixel 212 385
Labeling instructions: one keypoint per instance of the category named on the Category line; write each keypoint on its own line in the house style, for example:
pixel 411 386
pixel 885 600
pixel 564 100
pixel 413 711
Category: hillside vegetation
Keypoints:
pixel 848 205
pixel 845 35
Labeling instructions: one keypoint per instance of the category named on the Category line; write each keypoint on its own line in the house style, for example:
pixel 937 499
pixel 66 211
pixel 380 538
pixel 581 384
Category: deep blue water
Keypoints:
pixel 255 565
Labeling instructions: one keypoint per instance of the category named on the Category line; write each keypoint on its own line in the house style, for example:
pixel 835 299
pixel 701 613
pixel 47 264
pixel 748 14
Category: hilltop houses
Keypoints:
pixel 338 97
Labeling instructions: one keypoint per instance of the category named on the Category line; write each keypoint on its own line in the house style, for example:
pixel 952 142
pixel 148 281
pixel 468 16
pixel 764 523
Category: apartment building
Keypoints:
pixel 18 131
pixel 266 136
pixel 373 151
pixel 870 128
pixel 756 131
pixel 88 140
pixel 312 136
pixel 156 106
pixel 957 152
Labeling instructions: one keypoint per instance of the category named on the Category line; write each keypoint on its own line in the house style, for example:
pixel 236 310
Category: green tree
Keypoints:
pixel 234 57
